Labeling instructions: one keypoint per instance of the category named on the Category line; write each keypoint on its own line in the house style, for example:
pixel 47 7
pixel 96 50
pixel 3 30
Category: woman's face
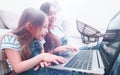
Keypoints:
pixel 52 15
pixel 43 31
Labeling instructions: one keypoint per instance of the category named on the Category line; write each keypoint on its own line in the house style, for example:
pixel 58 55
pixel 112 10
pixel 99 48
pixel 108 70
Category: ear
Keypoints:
pixel 28 26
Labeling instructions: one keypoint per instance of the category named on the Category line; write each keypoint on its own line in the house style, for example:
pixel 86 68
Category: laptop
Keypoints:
pixel 98 62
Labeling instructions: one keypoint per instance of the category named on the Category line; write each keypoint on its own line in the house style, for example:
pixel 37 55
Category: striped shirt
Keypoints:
pixel 12 42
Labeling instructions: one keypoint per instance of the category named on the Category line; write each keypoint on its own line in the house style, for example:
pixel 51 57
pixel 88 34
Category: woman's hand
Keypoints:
pixel 64 48
pixel 92 44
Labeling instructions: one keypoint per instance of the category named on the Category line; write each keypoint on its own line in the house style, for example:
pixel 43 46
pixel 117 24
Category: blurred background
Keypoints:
pixel 96 13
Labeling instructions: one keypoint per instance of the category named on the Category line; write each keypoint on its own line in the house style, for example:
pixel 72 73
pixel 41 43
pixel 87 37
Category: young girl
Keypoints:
pixel 26 41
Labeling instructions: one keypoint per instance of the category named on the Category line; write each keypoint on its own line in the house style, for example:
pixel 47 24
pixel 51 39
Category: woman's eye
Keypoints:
pixel 50 13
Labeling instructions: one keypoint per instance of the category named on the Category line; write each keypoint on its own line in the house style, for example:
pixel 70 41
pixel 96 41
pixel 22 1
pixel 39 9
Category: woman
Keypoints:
pixel 26 41
pixel 56 41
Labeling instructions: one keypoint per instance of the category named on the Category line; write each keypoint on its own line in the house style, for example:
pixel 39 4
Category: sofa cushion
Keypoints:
pixel 2 26
pixel 4 31
pixel 10 19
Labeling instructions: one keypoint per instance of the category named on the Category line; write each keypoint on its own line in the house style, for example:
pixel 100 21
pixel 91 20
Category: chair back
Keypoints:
pixel 88 33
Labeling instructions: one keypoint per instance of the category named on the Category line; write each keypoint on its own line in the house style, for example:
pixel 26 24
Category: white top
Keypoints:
pixel 58 31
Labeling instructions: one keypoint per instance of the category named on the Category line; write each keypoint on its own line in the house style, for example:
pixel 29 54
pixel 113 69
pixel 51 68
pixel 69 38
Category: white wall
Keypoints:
pixel 96 13
pixel 18 6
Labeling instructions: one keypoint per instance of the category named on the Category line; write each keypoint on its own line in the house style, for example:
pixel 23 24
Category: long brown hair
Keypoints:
pixel 52 41
pixel 35 18
pixel 45 7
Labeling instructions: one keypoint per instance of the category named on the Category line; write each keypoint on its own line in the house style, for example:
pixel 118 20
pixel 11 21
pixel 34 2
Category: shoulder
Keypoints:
pixel 60 28
pixel 9 41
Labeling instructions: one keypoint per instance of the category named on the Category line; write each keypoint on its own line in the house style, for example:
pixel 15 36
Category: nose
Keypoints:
pixel 54 16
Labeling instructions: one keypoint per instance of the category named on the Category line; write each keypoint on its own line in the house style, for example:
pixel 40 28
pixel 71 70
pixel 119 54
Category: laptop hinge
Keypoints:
pixel 100 61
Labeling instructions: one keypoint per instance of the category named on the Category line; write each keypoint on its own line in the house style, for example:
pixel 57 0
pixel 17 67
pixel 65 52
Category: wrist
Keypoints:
pixel 40 57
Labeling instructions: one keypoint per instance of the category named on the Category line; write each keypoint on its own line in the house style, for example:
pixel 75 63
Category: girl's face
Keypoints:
pixel 52 15
pixel 43 31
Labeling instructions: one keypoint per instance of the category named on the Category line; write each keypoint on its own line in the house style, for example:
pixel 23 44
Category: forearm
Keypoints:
pixel 27 64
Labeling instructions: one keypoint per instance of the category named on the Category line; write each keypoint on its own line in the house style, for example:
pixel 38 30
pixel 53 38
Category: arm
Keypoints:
pixel 17 63
pixel 63 48
pixel 21 66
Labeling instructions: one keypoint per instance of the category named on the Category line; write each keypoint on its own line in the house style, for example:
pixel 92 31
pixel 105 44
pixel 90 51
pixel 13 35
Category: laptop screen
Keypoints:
pixel 110 46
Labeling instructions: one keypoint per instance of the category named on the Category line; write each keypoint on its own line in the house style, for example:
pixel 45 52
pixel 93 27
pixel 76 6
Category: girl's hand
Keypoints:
pixel 50 58
pixel 42 64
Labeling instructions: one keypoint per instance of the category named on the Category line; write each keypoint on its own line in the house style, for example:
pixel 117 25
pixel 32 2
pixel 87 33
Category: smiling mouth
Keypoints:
pixel 43 35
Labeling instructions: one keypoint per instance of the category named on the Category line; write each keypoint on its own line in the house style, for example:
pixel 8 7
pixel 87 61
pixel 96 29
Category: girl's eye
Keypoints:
pixel 44 26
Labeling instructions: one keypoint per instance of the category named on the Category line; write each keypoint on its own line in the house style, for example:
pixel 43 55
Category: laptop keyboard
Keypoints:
pixel 83 60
